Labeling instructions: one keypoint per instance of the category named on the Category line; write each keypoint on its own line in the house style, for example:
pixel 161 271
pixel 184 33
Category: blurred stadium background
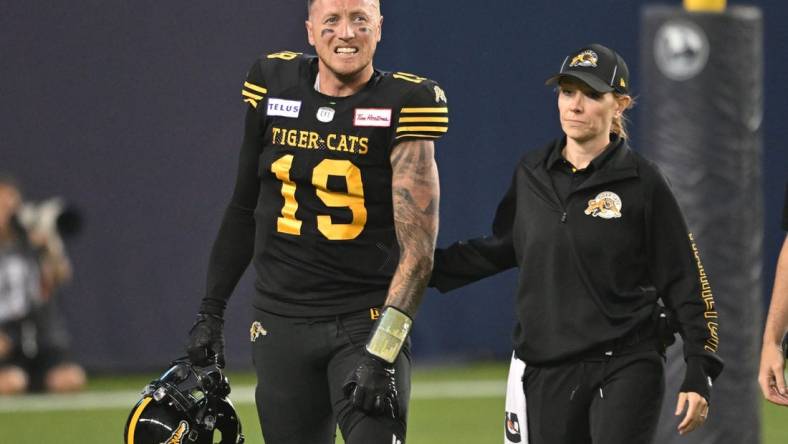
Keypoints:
pixel 131 111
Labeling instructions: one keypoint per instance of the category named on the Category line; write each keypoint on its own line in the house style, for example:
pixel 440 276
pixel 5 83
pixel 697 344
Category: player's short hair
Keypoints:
pixel 309 4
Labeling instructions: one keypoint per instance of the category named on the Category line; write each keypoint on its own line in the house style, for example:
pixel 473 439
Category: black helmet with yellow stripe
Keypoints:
pixel 185 405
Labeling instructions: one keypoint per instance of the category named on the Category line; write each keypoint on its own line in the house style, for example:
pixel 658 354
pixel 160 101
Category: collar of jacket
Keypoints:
pixel 621 165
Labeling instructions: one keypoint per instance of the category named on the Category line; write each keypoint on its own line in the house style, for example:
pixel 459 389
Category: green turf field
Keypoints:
pixel 450 405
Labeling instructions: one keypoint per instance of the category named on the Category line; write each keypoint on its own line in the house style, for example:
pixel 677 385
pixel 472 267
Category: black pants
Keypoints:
pixel 604 400
pixel 301 366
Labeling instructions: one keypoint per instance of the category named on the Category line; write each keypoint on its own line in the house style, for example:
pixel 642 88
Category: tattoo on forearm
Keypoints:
pixel 415 196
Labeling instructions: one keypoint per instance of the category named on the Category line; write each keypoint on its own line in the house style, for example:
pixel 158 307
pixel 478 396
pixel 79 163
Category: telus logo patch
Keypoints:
pixel 284 108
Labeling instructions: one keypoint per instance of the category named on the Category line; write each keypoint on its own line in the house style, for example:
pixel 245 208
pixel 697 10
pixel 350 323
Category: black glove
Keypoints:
pixel 372 388
pixel 206 341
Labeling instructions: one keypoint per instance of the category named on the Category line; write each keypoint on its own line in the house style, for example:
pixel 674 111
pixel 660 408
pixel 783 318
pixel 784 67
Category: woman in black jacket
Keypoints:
pixel 598 238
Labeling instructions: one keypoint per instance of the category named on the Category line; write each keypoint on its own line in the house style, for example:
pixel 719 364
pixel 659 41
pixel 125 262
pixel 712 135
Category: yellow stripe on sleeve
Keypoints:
pixel 424 119
pixel 425 110
pixel 437 129
pixel 251 102
pixel 135 418
pixel 429 136
pixel 246 93
pixel 254 87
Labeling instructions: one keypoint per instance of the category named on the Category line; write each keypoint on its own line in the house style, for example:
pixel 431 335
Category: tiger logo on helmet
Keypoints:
pixel 178 434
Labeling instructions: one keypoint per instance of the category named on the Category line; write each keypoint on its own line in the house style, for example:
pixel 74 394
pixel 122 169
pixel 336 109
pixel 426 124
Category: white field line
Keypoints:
pixel 243 394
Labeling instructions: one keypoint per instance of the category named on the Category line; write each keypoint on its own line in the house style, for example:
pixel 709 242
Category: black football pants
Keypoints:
pixel 302 364
pixel 613 400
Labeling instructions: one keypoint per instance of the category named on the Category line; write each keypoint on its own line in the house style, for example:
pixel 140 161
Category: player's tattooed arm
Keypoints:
pixel 371 386
pixel 415 195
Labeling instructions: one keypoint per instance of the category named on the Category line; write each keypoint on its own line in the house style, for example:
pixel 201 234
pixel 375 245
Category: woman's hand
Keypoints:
pixel 697 409
pixel 771 377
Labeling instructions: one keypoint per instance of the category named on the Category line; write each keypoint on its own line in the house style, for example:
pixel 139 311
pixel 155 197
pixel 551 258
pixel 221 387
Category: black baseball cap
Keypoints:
pixel 598 66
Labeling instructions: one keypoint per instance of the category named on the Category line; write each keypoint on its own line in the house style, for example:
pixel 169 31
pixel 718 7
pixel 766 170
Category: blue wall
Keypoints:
pixel 131 110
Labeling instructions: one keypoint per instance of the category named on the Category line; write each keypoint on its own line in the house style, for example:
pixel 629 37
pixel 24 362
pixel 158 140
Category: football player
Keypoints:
pixel 336 205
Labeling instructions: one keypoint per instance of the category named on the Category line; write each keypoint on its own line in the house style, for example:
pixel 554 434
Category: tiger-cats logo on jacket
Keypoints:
pixel 606 205
pixel 178 434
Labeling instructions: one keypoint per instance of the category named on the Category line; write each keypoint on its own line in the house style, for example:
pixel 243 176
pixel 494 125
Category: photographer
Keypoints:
pixel 33 344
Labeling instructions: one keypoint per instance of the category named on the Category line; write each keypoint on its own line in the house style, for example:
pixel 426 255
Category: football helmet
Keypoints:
pixel 185 405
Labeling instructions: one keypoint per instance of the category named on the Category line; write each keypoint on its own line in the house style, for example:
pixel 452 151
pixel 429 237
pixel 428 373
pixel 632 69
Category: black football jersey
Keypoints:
pixel 325 242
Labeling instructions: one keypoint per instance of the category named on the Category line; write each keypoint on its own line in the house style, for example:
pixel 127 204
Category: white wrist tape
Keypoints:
pixel 389 335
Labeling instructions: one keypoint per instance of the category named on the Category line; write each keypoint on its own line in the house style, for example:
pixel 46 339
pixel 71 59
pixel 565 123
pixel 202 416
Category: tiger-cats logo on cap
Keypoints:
pixel 178 434
pixel 587 59
pixel 606 205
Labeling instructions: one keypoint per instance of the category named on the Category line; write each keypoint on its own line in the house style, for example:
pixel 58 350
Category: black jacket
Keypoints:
pixel 592 268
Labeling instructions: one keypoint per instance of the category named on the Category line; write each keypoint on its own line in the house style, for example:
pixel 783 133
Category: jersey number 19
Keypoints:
pixel 353 199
